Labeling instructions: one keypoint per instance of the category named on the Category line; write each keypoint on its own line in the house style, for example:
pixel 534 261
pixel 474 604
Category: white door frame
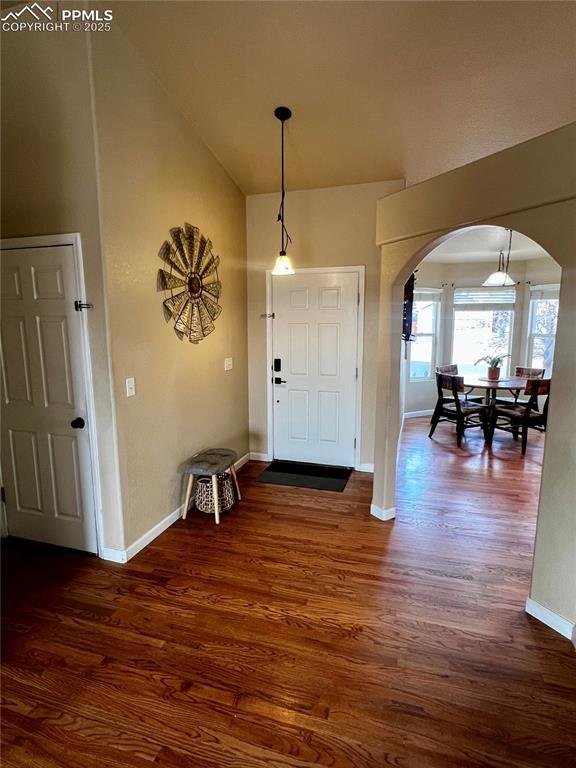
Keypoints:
pixel 360 270
pixel 74 239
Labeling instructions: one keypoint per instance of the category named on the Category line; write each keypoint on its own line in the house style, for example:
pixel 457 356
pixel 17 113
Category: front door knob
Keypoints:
pixel 78 423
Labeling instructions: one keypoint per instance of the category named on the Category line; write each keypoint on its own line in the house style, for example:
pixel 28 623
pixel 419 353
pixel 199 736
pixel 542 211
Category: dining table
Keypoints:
pixel 491 386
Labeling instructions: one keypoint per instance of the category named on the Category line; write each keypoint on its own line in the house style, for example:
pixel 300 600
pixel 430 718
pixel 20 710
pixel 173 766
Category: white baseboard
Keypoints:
pixel 365 468
pixel 155 531
pixel 242 460
pixel 415 414
pixel 123 555
pixel 553 620
pixel 383 514
pixel 113 555
pixel 259 456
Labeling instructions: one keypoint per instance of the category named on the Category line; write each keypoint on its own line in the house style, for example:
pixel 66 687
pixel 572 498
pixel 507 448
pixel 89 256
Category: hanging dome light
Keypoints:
pixel 283 265
pixel 501 278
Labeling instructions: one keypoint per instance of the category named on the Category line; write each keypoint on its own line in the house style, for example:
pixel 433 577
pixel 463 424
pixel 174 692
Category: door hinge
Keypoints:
pixel 358 297
pixel 80 305
pixel 354 442
pixel 3 494
pixel 356 374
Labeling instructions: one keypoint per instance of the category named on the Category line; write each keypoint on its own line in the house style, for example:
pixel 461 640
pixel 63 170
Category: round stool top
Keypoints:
pixel 210 462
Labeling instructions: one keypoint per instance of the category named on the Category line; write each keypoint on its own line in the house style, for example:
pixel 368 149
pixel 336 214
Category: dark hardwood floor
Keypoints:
pixel 301 632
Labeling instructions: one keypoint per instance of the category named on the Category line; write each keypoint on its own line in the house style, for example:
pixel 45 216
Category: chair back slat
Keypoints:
pixel 451 370
pixel 537 388
pixel 450 383
pixel 529 373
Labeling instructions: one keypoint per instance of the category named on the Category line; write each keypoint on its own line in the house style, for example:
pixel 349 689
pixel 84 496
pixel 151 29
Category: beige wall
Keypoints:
pixel 530 188
pixel 152 173
pixel 156 174
pixel 329 228
pixel 49 186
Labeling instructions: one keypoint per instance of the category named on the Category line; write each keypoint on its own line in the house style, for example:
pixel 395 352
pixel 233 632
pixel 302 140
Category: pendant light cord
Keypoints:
pixel 503 264
pixel 284 236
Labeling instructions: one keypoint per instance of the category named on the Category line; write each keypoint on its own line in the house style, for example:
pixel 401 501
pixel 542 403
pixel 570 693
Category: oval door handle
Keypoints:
pixel 78 423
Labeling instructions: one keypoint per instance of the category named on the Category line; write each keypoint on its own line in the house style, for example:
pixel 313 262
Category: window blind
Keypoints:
pixel 550 291
pixel 427 294
pixel 483 295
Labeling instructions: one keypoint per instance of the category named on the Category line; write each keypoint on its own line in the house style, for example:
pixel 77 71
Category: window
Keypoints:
pixel 483 320
pixel 542 327
pixel 422 350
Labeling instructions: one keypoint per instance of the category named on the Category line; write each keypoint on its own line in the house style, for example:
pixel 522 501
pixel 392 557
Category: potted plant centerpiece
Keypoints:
pixel 494 363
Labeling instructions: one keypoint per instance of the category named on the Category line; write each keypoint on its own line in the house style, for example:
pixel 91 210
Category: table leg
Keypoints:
pixel 216 498
pixel 491 403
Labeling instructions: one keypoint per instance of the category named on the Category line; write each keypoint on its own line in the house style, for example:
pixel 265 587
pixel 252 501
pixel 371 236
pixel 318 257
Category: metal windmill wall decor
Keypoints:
pixel 191 279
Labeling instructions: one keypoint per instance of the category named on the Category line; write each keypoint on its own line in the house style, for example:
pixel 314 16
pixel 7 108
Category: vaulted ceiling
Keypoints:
pixel 379 90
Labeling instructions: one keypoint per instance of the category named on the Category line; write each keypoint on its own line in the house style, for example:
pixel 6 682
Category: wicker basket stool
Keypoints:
pixel 214 462
pixel 205 494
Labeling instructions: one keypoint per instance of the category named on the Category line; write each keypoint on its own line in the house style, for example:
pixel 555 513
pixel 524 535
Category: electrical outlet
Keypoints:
pixel 130 387
pixel 228 363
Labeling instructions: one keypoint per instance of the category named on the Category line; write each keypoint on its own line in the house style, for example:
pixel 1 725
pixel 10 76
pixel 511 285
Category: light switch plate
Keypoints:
pixel 228 363
pixel 130 387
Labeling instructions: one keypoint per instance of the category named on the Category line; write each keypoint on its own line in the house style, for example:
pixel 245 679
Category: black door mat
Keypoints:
pixel 300 475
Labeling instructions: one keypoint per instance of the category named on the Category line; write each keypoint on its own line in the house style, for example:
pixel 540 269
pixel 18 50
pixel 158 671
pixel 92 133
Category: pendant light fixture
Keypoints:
pixel 500 278
pixel 283 265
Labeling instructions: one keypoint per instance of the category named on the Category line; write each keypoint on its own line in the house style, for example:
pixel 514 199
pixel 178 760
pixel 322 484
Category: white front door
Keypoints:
pixel 46 462
pixel 315 341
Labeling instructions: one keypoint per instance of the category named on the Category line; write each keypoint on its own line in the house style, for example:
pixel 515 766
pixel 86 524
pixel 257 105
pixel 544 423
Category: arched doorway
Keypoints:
pixel 390 379
pixel 527 189
pixel 460 317
pixel 481 496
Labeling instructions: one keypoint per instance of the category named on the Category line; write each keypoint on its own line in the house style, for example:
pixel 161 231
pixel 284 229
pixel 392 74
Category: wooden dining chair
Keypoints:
pixel 521 373
pixel 451 408
pixel 520 417
pixel 452 370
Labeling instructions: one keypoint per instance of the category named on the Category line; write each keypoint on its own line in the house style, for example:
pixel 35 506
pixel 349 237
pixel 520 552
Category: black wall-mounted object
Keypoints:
pixel 277 364
pixel 80 305
pixel 408 308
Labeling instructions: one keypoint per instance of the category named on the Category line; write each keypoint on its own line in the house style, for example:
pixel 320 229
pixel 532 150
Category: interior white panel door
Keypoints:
pixel 46 463
pixel 315 338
